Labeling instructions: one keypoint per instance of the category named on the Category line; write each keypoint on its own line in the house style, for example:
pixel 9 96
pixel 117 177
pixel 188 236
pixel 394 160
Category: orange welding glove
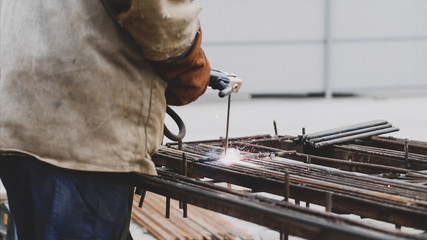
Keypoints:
pixel 187 77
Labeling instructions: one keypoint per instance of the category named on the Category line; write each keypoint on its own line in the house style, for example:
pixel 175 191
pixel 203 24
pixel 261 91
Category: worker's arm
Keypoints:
pixel 169 35
pixel 188 77
pixel 164 29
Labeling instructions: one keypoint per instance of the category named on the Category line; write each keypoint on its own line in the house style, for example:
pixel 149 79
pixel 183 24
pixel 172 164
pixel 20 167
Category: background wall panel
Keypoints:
pixel 388 65
pixel 379 18
pixel 282 46
pixel 276 69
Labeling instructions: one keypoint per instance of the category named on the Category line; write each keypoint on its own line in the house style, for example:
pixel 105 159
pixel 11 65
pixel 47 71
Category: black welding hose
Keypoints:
pixel 218 80
pixel 179 123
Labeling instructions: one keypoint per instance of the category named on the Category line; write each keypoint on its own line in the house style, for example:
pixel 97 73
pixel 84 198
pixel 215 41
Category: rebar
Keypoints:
pixel 346 128
pixel 184 173
pixel 263 169
pixel 312 141
pixel 287 188
pixel 275 128
pixel 356 136
pixel 141 200
pixel 168 207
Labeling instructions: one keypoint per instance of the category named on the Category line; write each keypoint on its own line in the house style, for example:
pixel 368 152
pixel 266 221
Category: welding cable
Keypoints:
pixel 179 123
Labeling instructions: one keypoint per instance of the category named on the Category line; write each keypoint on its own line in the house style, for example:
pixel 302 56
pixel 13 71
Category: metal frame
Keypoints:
pixel 278 215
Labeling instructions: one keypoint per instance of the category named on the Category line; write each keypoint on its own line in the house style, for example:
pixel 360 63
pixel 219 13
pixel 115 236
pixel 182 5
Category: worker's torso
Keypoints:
pixel 75 90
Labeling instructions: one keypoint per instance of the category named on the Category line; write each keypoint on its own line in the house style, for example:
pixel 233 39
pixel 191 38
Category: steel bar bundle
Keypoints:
pixel 348 133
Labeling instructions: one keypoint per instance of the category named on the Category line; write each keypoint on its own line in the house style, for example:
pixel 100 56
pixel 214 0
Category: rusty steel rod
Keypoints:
pixel 168 207
pixel 275 128
pixel 141 200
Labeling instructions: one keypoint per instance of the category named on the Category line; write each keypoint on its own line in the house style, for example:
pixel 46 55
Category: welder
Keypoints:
pixel 84 88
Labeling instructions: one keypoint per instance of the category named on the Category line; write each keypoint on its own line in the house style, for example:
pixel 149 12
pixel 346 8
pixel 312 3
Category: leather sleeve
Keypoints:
pixel 187 77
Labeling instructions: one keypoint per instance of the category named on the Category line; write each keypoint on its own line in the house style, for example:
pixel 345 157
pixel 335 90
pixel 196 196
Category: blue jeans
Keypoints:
pixel 48 202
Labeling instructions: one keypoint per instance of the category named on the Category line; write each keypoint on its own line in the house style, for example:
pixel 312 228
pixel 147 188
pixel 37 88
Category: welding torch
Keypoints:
pixel 227 84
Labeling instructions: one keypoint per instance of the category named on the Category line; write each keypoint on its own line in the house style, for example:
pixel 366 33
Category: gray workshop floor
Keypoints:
pixel 206 119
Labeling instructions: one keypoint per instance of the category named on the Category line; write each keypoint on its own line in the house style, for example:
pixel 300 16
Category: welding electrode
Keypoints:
pixel 228 124
pixel 226 83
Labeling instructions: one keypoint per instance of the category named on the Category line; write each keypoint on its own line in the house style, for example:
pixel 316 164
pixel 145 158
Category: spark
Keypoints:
pixel 233 156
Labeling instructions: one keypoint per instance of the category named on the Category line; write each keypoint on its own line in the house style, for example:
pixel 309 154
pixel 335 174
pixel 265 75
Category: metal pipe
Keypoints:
pixel 168 207
pixel 184 210
pixel 275 128
pixel 406 149
pixel 284 236
pixel 346 128
pixel 309 159
pixel 184 173
pixel 328 202
pixel 354 137
pixel 287 188
pixel 141 200
pixel 348 133
pixel 138 190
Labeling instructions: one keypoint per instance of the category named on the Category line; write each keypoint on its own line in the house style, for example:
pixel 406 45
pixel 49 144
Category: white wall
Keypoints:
pixel 278 46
